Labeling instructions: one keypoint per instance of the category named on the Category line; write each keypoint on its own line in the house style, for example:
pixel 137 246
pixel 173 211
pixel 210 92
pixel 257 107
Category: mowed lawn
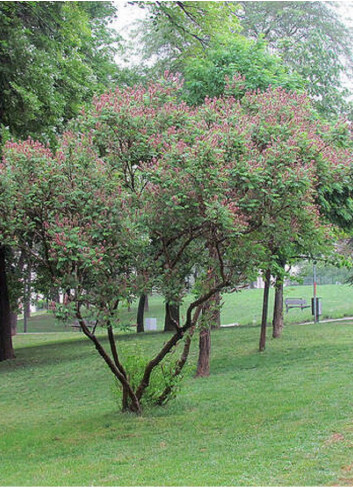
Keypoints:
pixel 243 308
pixel 283 417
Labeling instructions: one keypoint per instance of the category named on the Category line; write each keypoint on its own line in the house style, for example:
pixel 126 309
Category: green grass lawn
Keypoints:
pixel 242 307
pixel 283 417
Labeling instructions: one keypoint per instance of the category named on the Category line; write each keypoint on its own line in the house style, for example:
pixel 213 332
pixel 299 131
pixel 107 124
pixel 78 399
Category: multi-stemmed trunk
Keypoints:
pixel 6 347
pixel 277 322
pixel 267 280
pixel 132 396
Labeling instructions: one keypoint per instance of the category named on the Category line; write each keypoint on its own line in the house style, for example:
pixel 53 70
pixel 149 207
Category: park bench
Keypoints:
pixel 89 324
pixel 292 303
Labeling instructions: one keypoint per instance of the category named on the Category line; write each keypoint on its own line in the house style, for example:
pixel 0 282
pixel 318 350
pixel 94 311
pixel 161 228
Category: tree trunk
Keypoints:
pixel 6 348
pixel 267 280
pixel 215 316
pixel 178 368
pixel 147 308
pixel 277 322
pixel 55 295
pixel 203 363
pixel 140 314
pixel 172 316
pixel 13 319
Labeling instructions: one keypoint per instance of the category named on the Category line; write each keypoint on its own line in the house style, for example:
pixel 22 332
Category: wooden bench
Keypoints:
pixel 89 324
pixel 292 303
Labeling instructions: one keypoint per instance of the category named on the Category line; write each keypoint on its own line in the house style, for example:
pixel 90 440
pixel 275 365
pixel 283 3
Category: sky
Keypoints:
pixel 124 24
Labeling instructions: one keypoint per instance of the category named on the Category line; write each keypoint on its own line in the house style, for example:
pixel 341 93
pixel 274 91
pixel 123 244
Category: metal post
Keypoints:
pixel 315 303
pixel 25 306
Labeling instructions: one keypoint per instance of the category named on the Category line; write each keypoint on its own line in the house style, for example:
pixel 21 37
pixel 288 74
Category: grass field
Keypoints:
pixel 283 417
pixel 242 307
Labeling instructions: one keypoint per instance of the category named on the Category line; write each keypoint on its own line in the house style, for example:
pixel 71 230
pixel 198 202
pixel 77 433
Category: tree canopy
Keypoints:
pixel 173 30
pixel 143 188
pixel 312 40
pixel 53 56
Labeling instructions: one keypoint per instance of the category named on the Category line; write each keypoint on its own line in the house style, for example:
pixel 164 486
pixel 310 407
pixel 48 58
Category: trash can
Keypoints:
pixel 318 306
pixel 151 324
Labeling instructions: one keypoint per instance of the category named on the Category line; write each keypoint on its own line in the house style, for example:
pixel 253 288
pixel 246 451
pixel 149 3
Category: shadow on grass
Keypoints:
pixel 67 350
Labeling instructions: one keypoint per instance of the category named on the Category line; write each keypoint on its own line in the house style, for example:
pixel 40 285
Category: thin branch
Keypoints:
pixel 115 351
pixel 181 362
pixel 115 370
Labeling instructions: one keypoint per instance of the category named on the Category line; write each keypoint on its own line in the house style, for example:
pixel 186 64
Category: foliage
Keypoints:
pixel 326 273
pixel 174 30
pixel 311 39
pixel 54 56
pixel 162 378
pixel 207 76
pixel 143 189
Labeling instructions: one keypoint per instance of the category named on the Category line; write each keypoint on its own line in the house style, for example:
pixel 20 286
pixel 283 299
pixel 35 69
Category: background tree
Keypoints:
pixel 312 40
pixel 209 75
pixel 172 31
pixel 54 56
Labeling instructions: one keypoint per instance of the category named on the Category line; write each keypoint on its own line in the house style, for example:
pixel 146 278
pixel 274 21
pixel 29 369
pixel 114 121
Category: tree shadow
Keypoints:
pixel 66 351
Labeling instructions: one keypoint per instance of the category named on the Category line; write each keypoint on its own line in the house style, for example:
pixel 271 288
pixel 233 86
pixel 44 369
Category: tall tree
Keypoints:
pixel 312 40
pixel 172 31
pixel 53 57
pixel 209 75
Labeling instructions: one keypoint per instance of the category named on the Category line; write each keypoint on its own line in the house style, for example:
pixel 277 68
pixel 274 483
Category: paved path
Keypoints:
pixel 233 325
pixel 350 318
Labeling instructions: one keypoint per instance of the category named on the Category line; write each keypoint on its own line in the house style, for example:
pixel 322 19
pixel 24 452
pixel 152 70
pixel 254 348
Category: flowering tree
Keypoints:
pixel 280 157
pixel 141 191
pixel 298 156
pixel 114 201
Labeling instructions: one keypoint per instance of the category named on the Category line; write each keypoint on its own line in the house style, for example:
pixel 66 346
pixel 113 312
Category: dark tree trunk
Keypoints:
pixel 212 317
pixel 6 348
pixel 140 314
pixel 172 316
pixel 267 281
pixel 55 295
pixel 203 363
pixel 13 319
pixel 147 308
pixel 277 322
pixel 28 309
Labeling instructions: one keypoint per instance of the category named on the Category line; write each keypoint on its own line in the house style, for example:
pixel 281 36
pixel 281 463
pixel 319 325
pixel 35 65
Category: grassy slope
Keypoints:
pixel 283 417
pixel 243 308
